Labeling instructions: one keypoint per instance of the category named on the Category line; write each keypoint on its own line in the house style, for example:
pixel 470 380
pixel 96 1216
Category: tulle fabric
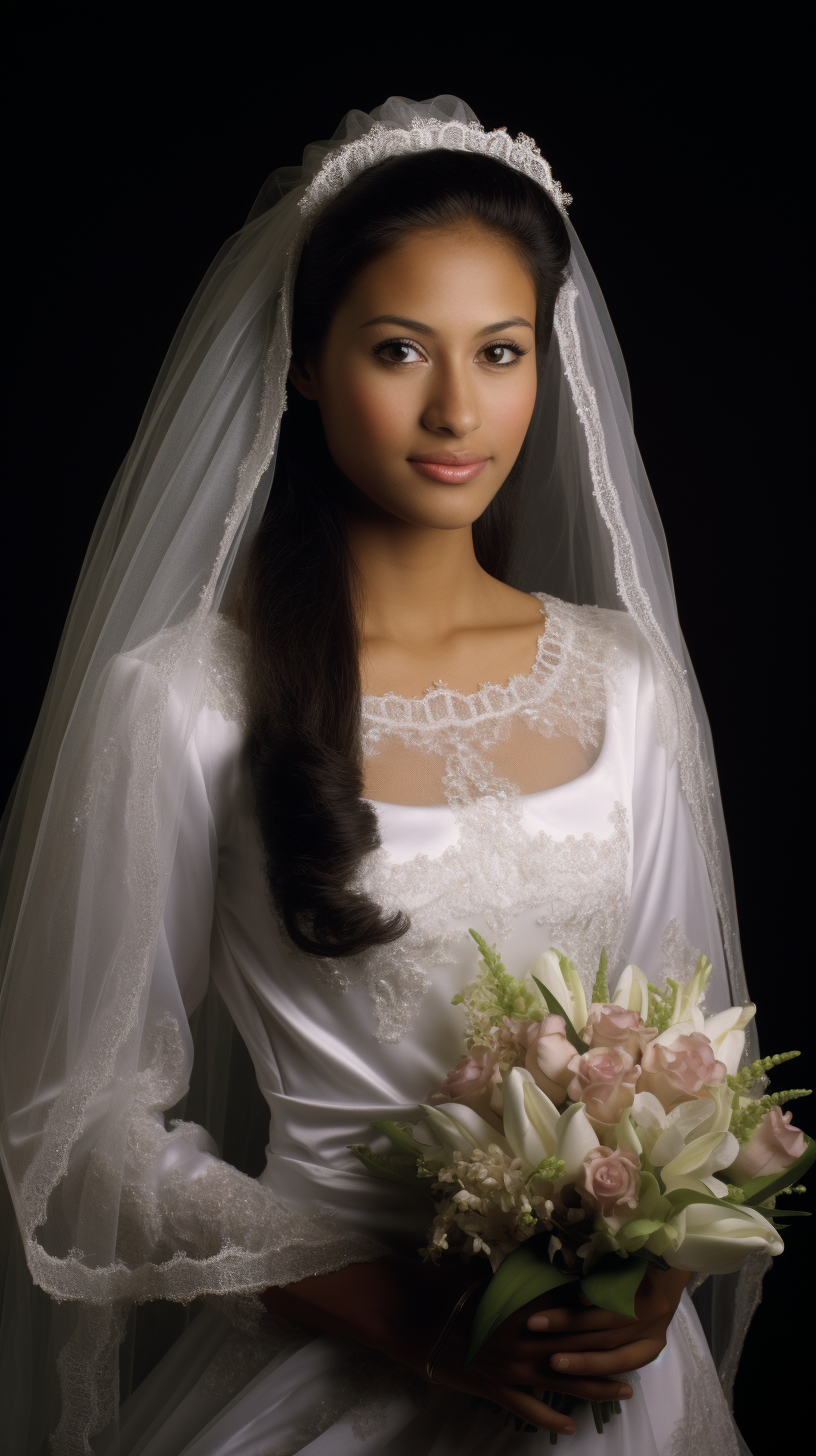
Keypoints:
pixel 91 828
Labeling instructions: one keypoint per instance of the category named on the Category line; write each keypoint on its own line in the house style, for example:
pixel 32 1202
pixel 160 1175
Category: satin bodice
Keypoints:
pixel 608 859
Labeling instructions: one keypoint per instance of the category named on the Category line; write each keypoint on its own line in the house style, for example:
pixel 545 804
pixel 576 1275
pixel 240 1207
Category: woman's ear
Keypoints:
pixel 302 380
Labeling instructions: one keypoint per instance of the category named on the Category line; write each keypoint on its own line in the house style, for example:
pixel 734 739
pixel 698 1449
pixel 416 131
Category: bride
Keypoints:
pixel 375 642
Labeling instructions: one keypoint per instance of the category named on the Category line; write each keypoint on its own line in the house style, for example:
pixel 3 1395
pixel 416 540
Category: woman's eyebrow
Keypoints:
pixel 406 323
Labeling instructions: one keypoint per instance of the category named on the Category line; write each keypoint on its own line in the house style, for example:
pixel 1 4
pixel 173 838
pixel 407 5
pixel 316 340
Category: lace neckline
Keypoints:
pixel 440 704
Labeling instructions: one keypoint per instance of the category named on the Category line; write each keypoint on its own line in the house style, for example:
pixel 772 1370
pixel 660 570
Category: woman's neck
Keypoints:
pixel 429 611
pixel 419 584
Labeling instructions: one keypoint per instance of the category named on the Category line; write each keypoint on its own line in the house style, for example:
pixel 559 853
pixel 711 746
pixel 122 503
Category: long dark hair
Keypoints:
pixel 299 597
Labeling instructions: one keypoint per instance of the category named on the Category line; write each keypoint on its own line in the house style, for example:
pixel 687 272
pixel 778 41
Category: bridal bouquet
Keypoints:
pixel 579 1145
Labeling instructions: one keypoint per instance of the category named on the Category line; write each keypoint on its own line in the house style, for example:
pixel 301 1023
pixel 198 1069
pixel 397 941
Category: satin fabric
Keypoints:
pixel 326 1074
pixel 320 1065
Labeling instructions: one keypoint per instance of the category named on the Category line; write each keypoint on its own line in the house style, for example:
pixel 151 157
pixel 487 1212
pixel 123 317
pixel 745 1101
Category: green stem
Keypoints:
pixel 597 1416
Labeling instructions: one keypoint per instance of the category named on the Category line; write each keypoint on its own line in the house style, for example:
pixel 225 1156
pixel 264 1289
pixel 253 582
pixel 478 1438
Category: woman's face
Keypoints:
pixel 426 380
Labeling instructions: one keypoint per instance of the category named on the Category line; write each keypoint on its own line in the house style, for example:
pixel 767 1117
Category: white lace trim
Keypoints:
pixel 705 1427
pixel 225 660
pixel 678 957
pixel 564 694
pixel 346 162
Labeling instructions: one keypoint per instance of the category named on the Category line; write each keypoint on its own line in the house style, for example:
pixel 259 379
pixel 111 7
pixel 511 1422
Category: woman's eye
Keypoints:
pixel 397 351
pixel 502 353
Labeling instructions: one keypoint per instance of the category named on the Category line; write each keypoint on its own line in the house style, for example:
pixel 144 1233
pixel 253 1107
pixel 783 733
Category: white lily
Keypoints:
pixel 575 1138
pixel 576 990
pixel 687 997
pixel 547 969
pixel 649 1118
pixel 459 1129
pixel 625 1135
pixel 714 1240
pixel 632 992
pixel 696 1141
pixel 530 1119
pixel 695 1022
pixel 726 1032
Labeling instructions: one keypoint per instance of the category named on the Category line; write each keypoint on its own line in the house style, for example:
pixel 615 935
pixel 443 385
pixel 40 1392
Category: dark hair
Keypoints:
pixel 299 597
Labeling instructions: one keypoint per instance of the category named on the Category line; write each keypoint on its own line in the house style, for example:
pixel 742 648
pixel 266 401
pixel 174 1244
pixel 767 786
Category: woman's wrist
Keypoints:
pixel 392 1304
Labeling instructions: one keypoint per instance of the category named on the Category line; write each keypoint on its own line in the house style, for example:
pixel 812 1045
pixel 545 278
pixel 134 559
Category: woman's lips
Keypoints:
pixel 450 468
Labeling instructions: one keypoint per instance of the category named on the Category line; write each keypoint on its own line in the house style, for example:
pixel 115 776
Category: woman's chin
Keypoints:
pixel 434 506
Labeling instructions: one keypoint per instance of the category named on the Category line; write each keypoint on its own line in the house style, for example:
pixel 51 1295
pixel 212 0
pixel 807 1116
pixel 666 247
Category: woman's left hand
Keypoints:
pixel 595 1342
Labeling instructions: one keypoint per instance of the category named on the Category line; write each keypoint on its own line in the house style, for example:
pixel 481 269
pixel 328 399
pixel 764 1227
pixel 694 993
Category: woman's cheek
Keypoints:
pixel 510 419
pixel 381 418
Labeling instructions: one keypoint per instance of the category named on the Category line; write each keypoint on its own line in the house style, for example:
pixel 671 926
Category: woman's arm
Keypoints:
pixel 399 1307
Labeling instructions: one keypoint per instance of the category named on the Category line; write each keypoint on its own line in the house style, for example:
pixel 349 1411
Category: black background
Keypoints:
pixel 136 151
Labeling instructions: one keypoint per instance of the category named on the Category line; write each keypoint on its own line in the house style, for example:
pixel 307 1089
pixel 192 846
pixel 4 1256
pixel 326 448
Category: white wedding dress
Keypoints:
pixel 338 1045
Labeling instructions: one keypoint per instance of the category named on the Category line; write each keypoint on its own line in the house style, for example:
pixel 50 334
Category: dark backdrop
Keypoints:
pixel 132 162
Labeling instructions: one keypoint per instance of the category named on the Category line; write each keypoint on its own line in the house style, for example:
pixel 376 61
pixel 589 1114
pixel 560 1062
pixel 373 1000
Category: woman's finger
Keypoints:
pixel 553 1321
pixel 542 1377
pixel 608 1362
pixel 564 1343
pixel 524 1404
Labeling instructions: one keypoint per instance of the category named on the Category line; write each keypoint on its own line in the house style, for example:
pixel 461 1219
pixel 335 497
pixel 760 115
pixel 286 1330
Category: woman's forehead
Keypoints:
pixel 465 274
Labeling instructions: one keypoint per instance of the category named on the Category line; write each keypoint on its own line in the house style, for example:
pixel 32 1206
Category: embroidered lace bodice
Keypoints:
pixel 605 858
pixel 536 731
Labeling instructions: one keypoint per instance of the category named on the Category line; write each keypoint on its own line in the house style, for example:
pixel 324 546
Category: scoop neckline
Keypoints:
pixel 510 799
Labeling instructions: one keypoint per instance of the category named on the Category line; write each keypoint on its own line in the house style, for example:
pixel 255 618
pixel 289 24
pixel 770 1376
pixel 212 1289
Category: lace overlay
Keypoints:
pixel 678 957
pixel 563 696
pixel 578 884
pixel 496 870
pixel 226 662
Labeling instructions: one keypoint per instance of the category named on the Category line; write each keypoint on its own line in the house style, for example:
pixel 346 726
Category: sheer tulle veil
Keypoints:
pixel 89 838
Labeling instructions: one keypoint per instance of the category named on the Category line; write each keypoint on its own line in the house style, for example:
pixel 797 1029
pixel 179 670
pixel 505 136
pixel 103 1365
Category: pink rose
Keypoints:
pixel 608 1181
pixel 476 1083
pixel 515 1035
pixel 612 1026
pixel 680 1070
pixel 547 1053
pixel 604 1080
pixel 774 1145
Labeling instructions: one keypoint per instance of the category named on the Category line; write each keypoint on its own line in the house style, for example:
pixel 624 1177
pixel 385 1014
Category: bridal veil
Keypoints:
pixel 91 828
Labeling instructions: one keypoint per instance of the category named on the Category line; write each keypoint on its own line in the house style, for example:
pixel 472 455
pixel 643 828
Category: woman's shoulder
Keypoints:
pixel 603 635
pixel 226 670
pixel 195 666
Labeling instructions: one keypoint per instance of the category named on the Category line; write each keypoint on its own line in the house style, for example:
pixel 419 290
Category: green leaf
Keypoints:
pixel 405 1140
pixel 524 1275
pixel 640 1228
pixel 613 1284
pixel 758 1189
pixel 391 1168
pixel 680 1198
pixel 773 1213
pixel 557 1010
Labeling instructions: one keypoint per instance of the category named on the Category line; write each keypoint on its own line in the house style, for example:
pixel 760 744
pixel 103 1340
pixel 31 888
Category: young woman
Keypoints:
pixel 338 684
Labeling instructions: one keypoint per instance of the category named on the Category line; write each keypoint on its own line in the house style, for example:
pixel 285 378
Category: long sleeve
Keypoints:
pixel 179 1198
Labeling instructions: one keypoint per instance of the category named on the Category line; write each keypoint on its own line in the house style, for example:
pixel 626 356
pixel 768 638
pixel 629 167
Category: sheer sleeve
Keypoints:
pixel 182 1204
pixel 672 918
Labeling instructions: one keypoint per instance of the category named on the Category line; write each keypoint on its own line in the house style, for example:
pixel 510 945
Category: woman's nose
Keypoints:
pixel 452 406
